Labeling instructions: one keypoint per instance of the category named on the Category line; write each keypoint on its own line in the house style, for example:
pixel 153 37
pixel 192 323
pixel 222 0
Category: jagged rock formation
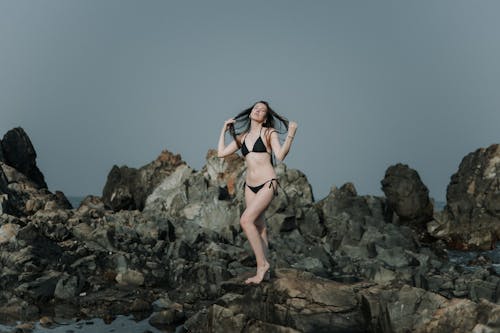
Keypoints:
pixel 471 218
pixel 18 152
pixel 341 263
pixel 23 190
pixel 301 302
pixel 407 196
pixel 128 188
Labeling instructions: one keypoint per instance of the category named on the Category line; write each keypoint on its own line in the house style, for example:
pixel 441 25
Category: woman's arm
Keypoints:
pixel 281 151
pixel 222 149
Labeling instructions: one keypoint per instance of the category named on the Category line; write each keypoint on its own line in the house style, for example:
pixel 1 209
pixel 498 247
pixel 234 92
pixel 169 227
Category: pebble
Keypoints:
pixel 46 321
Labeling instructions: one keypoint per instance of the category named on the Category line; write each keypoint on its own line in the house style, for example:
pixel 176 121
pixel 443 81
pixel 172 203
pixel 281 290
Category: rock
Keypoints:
pixel 309 222
pixel 128 188
pixel 185 197
pixel 4 181
pixel 18 309
pixel 60 201
pixel 8 232
pixel 67 288
pixel 2 158
pixel 24 196
pixel 224 173
pixel 338 264
pixel 18 152
pixel 130 278
pixel 407 196
pixel 473 201
pixel 162 303
pixel 40 290
pixel 173 315
pixel 3 203
pixel 118 193
pixel 140 305
pixel 46 321
pixel 414 310
pixel 25 327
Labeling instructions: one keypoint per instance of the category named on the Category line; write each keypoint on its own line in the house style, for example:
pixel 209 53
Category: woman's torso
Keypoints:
pixel 259 166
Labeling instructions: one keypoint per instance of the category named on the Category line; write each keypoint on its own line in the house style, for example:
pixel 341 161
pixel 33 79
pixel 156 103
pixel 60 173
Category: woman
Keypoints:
pixel 255 130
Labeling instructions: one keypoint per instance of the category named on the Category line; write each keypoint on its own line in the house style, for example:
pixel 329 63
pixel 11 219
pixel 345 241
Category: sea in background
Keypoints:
pixel 122 324
pixel 75 200
pixel 439 205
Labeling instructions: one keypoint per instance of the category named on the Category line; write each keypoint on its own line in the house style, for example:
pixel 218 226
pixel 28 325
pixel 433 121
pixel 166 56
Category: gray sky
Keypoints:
pixel 370 83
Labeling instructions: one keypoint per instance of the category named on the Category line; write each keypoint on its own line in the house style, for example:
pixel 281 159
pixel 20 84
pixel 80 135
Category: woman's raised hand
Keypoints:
pixel 228 122
pixel 292 128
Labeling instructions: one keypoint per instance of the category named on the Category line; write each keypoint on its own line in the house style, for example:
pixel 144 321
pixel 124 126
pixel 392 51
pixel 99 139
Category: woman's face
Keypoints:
pixel 259 112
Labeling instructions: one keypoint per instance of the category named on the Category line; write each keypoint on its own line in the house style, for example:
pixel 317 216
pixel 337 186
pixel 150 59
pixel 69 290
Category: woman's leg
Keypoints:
pixel 261 228
pixel 260 223
pixel 256 206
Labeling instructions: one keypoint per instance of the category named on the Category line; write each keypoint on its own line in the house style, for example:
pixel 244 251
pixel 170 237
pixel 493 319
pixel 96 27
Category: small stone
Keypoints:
pixel 46 321
pixel 25 327
pixel 140 305
pixel 130 277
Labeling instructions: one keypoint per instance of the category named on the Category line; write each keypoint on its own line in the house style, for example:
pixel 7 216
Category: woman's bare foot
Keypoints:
pixel 262 272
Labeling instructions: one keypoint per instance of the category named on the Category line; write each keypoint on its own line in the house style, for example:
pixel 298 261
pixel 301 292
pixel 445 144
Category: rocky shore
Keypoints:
pixel 164 242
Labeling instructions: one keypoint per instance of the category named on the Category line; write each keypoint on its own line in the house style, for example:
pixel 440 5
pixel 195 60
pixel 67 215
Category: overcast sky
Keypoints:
pixel 370 83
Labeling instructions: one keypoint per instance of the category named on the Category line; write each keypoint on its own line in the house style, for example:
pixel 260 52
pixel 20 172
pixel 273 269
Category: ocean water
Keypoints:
pixel 439 205
pixel 122 324
pixel 75 200
pixel 464 258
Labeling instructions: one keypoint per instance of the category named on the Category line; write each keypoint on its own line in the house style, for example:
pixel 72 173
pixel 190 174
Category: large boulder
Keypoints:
pixel 407 196
pixel 409 309
pixel 296 301
pixel 214 197
pixel 225 173
pixel 471 217
pixel 21 196
pixel 23 190
pixel 292 302
pixel 2 159
pixel 18 152
pixel 127 188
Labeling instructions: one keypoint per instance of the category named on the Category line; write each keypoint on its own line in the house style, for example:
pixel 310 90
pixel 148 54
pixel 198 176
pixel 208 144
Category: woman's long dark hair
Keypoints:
pixel 242 123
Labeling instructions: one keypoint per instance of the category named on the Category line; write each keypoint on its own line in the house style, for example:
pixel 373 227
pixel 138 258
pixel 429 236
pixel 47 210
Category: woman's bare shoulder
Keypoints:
pixel 240 137
pixel 270 130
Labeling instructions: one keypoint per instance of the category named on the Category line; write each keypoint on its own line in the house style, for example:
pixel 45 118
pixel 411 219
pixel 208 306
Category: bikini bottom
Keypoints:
pixel 257 188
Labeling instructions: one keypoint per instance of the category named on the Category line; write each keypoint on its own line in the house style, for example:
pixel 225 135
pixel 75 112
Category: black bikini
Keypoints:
pixel 258 147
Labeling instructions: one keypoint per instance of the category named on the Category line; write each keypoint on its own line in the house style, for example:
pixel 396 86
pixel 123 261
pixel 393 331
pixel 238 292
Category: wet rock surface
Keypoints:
pixel 342 263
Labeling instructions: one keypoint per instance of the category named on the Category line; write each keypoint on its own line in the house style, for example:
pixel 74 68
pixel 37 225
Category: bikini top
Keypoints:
pixel 258 146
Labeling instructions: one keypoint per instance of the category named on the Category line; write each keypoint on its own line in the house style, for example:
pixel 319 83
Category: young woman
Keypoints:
pixel 256 131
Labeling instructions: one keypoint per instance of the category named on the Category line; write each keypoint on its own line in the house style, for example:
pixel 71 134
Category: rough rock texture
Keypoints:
pixel 337 263
pixel 409 309
pixel 471 218
pixel 23 190
pixel 407 196
pixel 20 196
pixel 18 152
pixel 214 196
pixel 128 188
pixel 2 158
pixel 295 301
